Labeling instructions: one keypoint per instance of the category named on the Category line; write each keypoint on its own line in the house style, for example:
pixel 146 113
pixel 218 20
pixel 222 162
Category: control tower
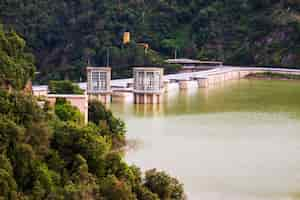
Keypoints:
pixel 98 83
pixel 148 85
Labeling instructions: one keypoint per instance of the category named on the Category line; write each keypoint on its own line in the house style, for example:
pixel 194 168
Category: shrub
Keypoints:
pixel 64 87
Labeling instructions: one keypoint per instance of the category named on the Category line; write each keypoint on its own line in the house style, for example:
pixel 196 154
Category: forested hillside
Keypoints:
pixel 65 34
pixel 48 153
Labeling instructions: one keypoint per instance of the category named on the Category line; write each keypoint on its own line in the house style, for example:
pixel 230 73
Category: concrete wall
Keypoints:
pixel 79 101
pixel 122 96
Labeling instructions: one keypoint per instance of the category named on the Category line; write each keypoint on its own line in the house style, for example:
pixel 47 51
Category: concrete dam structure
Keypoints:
pixel 185 81
pixel 148 84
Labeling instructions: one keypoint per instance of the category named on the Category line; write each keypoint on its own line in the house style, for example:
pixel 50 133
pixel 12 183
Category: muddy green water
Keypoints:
pixel 239 141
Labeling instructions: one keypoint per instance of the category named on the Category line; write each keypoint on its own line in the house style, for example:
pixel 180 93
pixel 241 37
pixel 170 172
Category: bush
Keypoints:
pixel 64 87
pixel 66 112
pixel 163 185
pixel 110 125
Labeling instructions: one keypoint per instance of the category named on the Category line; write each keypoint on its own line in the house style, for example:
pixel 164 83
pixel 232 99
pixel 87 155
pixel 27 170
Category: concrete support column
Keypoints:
pixel 230 75
pixel 107 99
pixel 236 75
pixel 135 99
pixel 216 80
pixel 212 80
pixel 140 98
pixel 227 76
pixel 166 86
pixel 220 78
pixel 145 100
pixel 183 84
pixel 203 83
pixel 103 98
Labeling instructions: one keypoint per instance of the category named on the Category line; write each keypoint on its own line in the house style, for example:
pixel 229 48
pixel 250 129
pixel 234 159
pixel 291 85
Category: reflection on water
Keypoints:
pixel 236 141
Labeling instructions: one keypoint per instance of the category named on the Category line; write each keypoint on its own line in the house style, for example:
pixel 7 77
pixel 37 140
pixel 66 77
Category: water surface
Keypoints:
pixel 238 141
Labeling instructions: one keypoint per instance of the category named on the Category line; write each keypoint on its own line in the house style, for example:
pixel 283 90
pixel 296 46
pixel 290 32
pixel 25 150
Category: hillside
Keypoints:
pixel 48 153
pixel 65 34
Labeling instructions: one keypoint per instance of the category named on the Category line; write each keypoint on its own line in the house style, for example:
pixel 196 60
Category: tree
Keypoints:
pixel 143 193
pixel 48 158
pixel 72 139
pixel 163 185
pixel 45 156
pixel 83 185
pixel 114 189
pixel 16 65
pixel 110 125
pixel 66 112
pixel 8 186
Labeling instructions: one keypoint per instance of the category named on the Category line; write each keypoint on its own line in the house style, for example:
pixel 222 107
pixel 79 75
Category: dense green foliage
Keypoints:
pixel 165 186
pixel 16 66
pixel 65 34
pixel 48 154
pixel 64 87
pixel 42 157
pixel 66 112
pixel 110 125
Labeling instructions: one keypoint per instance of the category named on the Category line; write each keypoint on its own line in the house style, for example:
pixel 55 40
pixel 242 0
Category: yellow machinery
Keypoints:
pixel 126 37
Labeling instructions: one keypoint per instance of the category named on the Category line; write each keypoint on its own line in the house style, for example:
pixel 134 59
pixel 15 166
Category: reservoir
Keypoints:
pixel 238 141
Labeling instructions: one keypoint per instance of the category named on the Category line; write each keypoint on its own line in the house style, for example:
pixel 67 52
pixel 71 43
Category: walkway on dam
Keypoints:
pixel 125 84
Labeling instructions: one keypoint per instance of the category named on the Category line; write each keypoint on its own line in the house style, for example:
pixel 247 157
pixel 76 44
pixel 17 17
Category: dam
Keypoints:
pixel 148 83
pixel 122 89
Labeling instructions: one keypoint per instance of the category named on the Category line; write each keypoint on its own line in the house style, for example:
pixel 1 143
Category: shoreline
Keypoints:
pixel 273 76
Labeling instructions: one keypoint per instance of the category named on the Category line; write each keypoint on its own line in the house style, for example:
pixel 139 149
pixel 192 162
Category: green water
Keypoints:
pixel 238 141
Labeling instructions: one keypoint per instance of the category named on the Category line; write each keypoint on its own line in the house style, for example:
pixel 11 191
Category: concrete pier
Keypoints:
pixel 142 98
pixel 104 98
pixel 203 82
pixel 166 84
pixel 183 84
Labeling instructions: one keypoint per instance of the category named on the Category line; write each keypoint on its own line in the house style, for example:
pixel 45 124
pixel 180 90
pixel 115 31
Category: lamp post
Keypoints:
pixel 175 53
pixel 107 56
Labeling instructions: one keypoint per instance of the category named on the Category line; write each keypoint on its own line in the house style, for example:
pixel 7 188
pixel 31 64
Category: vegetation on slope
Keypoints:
pixel 66 112
pixel 111 126
pixel 65 34
pixel 274 75
pixel 47 154
pixel 16 65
